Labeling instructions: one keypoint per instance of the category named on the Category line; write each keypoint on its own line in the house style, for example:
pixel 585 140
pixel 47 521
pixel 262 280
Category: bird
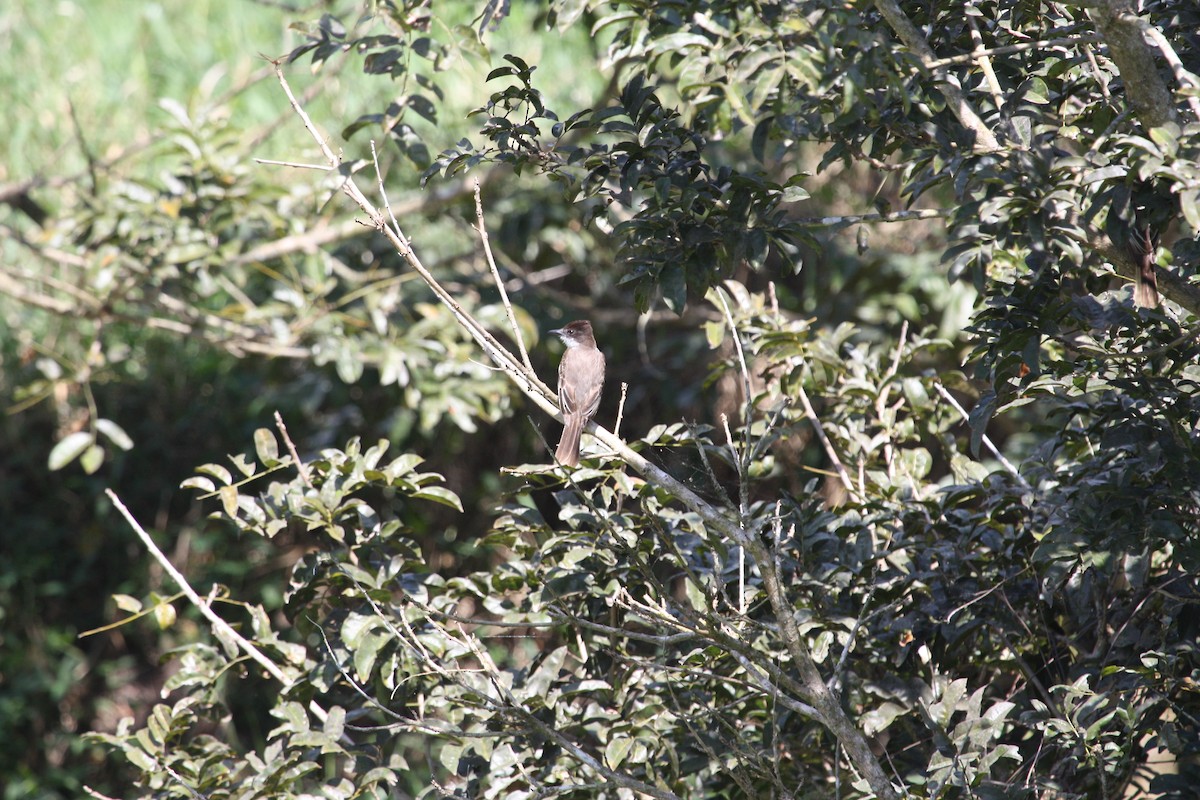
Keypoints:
pixel 580 380
pixel 1145 291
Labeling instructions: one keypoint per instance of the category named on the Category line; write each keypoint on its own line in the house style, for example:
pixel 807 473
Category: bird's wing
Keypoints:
pixel 578 372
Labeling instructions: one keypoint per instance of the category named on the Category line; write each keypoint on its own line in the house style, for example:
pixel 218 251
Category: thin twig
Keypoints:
pixel 487 251
pixel 825 443
pixel 219 624
pixel 881 402
pixel 895 367
pixel 985 64
pixel 740 459
pixel 387 204
pixel 748 396
pixel 620 409
pixel 1101 79
pixel 1009 49
pixel 743 459
pixel 291 447
pixel 293 164
pixel 857 219
pixel 1008 465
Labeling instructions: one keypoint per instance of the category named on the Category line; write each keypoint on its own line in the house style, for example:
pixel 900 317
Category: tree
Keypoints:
pixel 693 613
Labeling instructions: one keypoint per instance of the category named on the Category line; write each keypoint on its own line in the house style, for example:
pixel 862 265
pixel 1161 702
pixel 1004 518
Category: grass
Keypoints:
pixel 84 78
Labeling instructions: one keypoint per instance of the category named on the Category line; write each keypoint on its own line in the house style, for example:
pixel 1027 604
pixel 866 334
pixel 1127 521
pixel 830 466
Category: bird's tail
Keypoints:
pixel 568 446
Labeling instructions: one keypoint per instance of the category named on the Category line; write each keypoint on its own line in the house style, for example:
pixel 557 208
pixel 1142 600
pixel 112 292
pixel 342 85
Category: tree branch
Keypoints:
pixel 1184 78
pixel 219 624
pixel 1145 90
pixel 1009 49
pixel 487 251
pixel 1171 284
pixel 985 140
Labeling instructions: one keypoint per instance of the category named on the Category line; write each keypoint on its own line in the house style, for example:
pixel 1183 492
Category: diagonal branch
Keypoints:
pixel 219 624
pixel 985 140
pixel 487 250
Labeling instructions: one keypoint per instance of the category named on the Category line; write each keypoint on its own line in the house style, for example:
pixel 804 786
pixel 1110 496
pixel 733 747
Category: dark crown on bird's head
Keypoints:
pixel 575 332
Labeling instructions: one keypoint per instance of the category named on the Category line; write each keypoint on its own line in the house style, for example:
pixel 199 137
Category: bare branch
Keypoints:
pixel 487 250
pixel 204 608
pixel 620 409
pixel 741 459
pixel 983 60
pixel 894 216
pixel 825 442
pixel 987 442
pixel 1009 49
pixel 291 448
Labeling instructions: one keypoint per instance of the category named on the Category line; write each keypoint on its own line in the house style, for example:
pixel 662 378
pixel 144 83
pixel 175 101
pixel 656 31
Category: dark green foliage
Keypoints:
pixel 696 222
pixel 1003 599
pixel 960 621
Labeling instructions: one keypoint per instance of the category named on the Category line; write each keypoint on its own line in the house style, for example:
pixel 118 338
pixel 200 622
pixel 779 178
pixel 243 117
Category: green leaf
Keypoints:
pixel 127 603
pixel 164 615
pixel 1189 202
pixel 335 723
pixel 367 653
pixel 1036 91
pixel 141 760
pixel 265 447
pixel 199 482
pixel 115 433
pixel 229 500
pixel 616 750
pixel 440 494
pixel 673 284
pixel 244 465
pixel 91 459
pixel 714 331
pixel 217 471
pixel 1167 138
pixel 917 462
pixel 794 194
pixel 547 673
pixel 402 465
pixel 70 448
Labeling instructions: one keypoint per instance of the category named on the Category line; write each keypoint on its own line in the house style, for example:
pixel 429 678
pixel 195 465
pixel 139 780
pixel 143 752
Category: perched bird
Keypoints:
pixel 1145 291
pixel 580 379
